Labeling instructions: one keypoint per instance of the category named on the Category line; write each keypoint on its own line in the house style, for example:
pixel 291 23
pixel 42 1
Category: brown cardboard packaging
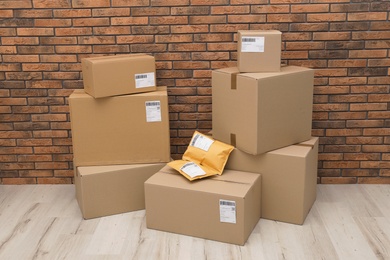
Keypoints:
pixel 261 112
pixel 118 75
pixel 120 130
pixel 113 189
pixel 259 51
pixel 224 208
pixel 289 179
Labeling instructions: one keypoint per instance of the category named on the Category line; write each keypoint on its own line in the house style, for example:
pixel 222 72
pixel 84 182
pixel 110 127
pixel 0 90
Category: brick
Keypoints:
pixel 330 72
pixel 330 157
pixel 384 172
pixel 343 132
pixel 22 127
pixel 378 114
pixel 20 40
pixel 246 18
pixel 359 172
pixel 8 50
pixel 223 64
pixel 318 99
pixel 347 63
pixel 15 22
pixel 73 31
pixel 169 2
pixel 380 25
pixel 172 56
pixel 110 49
pixel 58 40
pixel 212 19
pixel 368 106
pixel 6 13
pixel 71 13
pixel 35 49
pixel 187 47
pixel 167 65
pixel 332 140
pixel 150 29
pixel 331 89
pixel 18 181
pixel 190 83
pixel 371 35
pixel 35 142
pixel 285 18
pixel 347 8
pixel 342 148
pixel 348 81
pixel 191 65
pixel 174 74
pixel 365 123
pixel 110 12
pixel 29 13
pixel 174 38
pixel 242 9
pixel 30 109
pixel 134 39
pixel 63 173
pixel 142 48
pixel 54 180
pixel 328 54
pixel 210 56
pixel 36 173
pixel 329 172
pixel 305 45
pixel 7 31
pixel 364 140
pixel 373 180
pixel 202 74
pixel 295 55
pixel 43 84
pixel 331 36
pixel 206 2
pixel 7 142
pixel 51 165
pixel 349 26
pixel 34 31
pixel 182 108
pixel 149 11
pixel 15 150
pixel 310 8
pixel 378 44
pixel 191 10
pixel 348 98
pixel 296 36
pixel 10 67
pixel 130 3
pixel 328 17
pixel 379 80
pixel 379 98
pixel 328 124
pixel 371 16
pixel 376 131
pixel 330 107
pixel 168 20
pixel 21 58
pixel 189 29
pixel 58 58
pixel 367 53
pixel 341 165
pixel 90 3
pixel 52 4
pixel 335 45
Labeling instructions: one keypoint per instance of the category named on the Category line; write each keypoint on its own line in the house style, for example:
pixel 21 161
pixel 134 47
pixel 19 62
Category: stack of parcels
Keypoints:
pixel 264 110
pixel 120 133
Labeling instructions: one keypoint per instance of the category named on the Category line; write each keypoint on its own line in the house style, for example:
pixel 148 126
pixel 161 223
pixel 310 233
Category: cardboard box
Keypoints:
pixel 119 75
pixel 120 130
pixel 224 208
pixel 114 189
pixel 259 51
pixel 261 112
pixel 289 179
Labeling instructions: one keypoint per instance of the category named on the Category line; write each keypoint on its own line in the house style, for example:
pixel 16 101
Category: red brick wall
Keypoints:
pixel 43 41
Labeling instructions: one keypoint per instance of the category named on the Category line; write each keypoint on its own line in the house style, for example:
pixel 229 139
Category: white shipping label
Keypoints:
pixel 192 170
pixel 144 80
pixel 153 111
pixel 252 44
pixel 201 142
pixel 227 211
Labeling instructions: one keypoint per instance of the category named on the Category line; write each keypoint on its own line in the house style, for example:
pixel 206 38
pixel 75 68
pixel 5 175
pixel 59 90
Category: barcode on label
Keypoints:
pixel 141 76
pixel 194 140
pixel 227 203
pixel 152 103
pixel 248 39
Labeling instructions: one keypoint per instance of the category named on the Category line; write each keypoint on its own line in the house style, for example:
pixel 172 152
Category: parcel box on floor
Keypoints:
pixel 259 50
pixel 120 130
pixel 289 179
pixel 118 75
pixel 260 112
pixel 224 208
pixel 113 189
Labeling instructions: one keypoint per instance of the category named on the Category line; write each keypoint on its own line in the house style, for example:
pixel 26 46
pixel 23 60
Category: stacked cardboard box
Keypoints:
pixel 265 111
pixel 120 133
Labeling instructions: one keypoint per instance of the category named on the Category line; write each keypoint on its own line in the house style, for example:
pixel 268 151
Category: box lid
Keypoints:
pixel 285 70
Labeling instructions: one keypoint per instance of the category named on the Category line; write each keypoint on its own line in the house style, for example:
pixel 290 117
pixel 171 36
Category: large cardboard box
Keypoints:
pixel 259 50
pixel 260 112
pixel 225 208
pixel 289 179
pixel 118 75
pixel 120 130
pixel 112 189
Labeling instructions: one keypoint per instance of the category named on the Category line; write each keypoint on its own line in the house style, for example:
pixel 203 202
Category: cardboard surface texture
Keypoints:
pixel 259 50
pixel 114 189
pixel 224 208
pixel 120 130
pixel 289 179
pixel 260 112
pixel 118 75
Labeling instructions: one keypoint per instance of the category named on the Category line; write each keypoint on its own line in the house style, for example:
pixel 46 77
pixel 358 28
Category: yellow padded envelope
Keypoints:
pixel 204 157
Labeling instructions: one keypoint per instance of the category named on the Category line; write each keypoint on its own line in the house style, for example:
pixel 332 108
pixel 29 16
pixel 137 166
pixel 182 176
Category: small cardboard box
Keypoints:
pixel 224 208
pixel 119 75
pixel 259 51
pixel 112 189
pixel 261 112
pixel 289 179
pixel 120 130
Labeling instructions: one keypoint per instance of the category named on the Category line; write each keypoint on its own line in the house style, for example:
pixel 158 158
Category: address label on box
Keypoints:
pixel 227 211
pixel 144 80
pixel 153 111
pixel 252 44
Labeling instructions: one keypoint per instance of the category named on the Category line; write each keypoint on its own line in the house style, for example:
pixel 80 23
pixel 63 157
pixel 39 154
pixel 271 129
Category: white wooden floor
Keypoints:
pixel 44 222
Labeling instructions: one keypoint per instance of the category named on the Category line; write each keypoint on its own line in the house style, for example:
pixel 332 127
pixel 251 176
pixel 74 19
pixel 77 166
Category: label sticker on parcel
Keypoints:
pixel 153 111
pixel 144 80
pixel 227 211
pixel 252 44
pixel 201 142
pixel 192 169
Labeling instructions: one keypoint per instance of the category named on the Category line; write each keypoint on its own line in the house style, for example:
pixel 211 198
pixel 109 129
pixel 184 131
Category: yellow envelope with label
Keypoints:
pixel 204 157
